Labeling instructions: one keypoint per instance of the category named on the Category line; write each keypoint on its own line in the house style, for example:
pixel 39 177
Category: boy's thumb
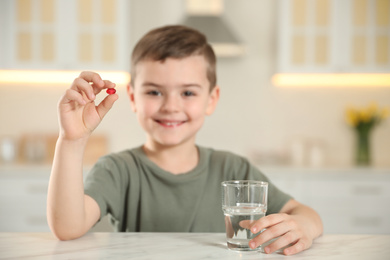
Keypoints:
pixel 106 105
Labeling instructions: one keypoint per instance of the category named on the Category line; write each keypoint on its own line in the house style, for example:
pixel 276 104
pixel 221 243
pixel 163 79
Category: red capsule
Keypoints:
pixel 111 91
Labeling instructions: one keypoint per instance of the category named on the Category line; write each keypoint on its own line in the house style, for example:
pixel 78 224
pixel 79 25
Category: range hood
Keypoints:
pixel 206 16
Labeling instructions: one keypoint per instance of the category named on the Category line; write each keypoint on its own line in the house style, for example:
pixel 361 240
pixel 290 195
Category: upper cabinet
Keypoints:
pixel 59 34
pixel 333 36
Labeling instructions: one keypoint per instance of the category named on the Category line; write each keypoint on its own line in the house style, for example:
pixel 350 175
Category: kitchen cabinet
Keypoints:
pixel 352 201
pixel 332 36
pixel 23 195
pixel 72 34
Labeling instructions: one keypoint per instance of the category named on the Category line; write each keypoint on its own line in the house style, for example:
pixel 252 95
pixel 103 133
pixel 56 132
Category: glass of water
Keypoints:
pixel 243 203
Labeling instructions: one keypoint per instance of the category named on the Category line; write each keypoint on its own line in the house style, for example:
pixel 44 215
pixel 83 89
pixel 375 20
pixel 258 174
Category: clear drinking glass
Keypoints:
pixel 243 202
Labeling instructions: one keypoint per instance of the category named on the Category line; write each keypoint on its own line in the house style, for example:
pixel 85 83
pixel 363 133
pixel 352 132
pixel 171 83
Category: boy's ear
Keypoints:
pixel 130 93
pixel 213 100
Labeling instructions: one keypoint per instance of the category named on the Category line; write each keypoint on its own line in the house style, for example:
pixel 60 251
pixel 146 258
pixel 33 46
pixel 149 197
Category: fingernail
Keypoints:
pixel 252 245
pixel 254 230
pixel 267 250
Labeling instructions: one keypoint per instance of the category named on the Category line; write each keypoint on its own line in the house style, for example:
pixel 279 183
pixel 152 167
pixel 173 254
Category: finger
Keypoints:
pixel 98 88
pixel 109 84
pixel 267 221
pixel 247 224
pixel 299 246
pixel 82 86
pixel 106 105
pixel 229 227
pixel 282 241
pixel 92 77
pixel 270 233
pixel 72 95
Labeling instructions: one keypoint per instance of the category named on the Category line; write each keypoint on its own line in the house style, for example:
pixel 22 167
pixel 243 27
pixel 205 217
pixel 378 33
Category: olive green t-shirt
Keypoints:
pixel 140 196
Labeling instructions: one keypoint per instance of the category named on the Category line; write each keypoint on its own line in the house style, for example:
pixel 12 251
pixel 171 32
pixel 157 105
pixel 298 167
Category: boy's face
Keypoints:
pixel 172 98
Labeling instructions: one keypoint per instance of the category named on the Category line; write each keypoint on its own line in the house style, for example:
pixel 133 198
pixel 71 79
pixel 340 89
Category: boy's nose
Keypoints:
pixel 171 104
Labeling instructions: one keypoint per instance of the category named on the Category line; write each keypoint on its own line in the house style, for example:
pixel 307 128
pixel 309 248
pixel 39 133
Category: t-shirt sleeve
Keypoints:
pixel 104 184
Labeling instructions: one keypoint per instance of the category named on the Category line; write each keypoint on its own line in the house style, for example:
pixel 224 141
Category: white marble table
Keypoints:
pixel 179 246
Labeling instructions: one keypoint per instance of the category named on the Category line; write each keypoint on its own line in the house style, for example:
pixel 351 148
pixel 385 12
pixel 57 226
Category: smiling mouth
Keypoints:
pixel 170 123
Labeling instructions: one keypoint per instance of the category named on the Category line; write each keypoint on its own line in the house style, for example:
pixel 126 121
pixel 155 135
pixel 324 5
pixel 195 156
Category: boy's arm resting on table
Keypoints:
pixel 71 213
pixel 295 226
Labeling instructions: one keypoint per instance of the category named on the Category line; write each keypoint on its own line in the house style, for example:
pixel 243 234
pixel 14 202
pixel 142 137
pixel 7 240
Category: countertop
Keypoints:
pixel 179 246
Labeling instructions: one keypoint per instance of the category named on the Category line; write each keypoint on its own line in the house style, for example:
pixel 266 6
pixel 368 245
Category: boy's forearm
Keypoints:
pixel 65 202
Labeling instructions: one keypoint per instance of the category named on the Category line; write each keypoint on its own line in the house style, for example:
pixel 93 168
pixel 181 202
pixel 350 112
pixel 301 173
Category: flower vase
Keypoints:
pixel 363 155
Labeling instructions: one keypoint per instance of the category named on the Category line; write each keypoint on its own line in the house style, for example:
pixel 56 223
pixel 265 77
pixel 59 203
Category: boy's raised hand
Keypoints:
pixel 78 114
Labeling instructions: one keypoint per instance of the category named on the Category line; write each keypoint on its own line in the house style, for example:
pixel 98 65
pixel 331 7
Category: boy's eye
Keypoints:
pixel 188 93
pixel 154 93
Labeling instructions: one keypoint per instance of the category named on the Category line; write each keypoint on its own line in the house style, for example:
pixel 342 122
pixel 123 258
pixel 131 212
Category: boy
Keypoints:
pixel 170 183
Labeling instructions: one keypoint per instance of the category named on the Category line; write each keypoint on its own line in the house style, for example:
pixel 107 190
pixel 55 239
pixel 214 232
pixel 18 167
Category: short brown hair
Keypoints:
pixel 174 41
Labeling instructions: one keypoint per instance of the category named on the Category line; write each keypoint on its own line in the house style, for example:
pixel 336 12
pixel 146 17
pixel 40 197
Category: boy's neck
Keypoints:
pixel 174 159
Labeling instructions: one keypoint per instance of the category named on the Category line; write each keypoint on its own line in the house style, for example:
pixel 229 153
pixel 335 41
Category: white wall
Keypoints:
pixel 252 114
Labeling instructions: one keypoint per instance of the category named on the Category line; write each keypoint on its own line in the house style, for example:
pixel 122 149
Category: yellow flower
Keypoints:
pixel 385 113
pixel 370 115
pixel 352 117
pixel 365 116
pixel 372 109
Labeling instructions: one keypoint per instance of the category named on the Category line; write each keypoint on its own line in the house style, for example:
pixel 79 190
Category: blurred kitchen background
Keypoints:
pixel 272 110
